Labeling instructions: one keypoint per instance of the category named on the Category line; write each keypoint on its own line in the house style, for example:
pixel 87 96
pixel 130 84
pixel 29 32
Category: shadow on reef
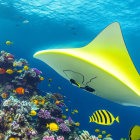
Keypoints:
pixel 24 114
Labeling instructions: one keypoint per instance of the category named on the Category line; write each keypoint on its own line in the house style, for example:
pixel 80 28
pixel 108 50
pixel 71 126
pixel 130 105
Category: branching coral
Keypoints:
pixel 86 136
pixel 45 114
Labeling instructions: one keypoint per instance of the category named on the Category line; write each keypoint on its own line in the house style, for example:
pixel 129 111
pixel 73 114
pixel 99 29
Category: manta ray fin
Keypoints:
pixel 108 51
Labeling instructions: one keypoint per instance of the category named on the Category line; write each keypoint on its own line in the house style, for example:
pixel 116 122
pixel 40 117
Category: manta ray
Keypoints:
pixel 103 67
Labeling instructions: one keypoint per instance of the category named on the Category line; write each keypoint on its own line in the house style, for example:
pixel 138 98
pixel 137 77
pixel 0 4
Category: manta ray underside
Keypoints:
pixel 103 67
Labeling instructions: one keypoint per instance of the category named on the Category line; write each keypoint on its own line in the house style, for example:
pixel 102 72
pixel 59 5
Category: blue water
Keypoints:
pixel 68 23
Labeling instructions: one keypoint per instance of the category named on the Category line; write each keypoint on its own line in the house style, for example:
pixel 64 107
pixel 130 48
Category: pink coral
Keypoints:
pixel 44 114
pixel 60 138
pixel 64 127
pixel 48 138
pixel 10 56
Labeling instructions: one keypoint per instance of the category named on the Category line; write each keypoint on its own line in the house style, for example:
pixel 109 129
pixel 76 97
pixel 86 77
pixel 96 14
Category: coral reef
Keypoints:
pixel 86 136
pixel 13 70
pixel 24 113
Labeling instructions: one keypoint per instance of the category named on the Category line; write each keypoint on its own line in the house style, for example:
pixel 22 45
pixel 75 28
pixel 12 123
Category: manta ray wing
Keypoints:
pixel 105 58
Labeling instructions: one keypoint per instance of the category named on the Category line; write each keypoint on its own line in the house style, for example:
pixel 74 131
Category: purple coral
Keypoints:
pixel 70 120
pixel 64 127
pixel 48 138
pixel 59 120
pixel 44 114
pixel 36 70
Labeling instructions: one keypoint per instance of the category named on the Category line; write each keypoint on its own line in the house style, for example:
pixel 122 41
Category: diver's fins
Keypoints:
pixel 134 133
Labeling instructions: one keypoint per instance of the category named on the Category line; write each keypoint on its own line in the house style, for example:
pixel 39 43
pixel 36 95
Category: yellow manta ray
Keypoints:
pixel 103 67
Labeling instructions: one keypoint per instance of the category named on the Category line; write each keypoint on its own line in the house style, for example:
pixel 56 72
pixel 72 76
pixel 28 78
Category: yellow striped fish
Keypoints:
pixel 103 117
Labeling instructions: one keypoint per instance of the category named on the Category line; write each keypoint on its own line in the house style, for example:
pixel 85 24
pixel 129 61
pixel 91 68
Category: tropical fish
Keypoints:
pixel 100 136
pixel 67 109
pixel 35 101
pixel 33 113
pixel 64 116
pixel 102 67
pixel 19 71
pixel 12 138
pixel 50 80
pixel 19 90
pixel 49 85
pixel 41 78
pixel 77 124
pixel 134 133
pixel 76 111
pixel 4 95
pixel 9 71
pixel 97 130
pixel 103 132
pixel 10 119
pixel 53 126
pixel 26 68
pixel 103 117
pixel 2 71
pixel 108 135
pixel 59 87
pixel 57 102
pixel 9 42
pixel 72 113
